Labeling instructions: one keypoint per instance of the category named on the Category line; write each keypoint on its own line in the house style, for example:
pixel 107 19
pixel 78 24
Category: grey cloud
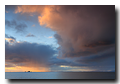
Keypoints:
pixel 25 52
pixel 9 65
pixel 10 7
pixel 19 27
pixel 30 35
pixel 7 36
pixel 58 62
pixel 106 58
pixel 10 38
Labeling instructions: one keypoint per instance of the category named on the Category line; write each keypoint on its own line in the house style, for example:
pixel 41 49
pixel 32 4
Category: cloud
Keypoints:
pixel 8 36
pixel 27 54
pixel 82 31
pixel 10 39
pixel 9 65
pixel 29 9
pixel 30 35
pixel 106 58
pixel 19 27
pixel 50 37
pixel 10 7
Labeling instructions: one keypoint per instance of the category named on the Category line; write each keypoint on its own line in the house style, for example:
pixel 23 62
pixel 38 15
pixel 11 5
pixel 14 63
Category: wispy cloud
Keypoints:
pixel 30 35
pixel 19 27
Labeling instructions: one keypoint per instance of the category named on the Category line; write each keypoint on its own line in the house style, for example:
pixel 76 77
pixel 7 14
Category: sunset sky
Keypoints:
pixel 54 38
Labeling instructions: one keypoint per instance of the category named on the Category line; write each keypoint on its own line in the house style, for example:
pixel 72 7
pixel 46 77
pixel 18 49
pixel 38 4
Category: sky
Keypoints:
pixel 60 38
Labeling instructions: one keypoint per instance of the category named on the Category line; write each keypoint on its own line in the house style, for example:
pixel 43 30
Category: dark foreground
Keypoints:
pixel 59 75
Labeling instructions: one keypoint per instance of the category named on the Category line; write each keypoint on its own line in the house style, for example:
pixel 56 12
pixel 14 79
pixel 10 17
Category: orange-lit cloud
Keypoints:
pixel 47 15
pixel 31 9
pixel 10 40
pixel 50 37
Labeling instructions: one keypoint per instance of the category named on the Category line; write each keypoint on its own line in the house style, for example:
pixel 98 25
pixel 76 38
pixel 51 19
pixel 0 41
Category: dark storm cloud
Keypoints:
pixel 31 53
pixel 89 29
pixel 58 62
pixel 30 35
pixel 106 58
pixel 19 27
pixel 10 7
pixel 54 61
